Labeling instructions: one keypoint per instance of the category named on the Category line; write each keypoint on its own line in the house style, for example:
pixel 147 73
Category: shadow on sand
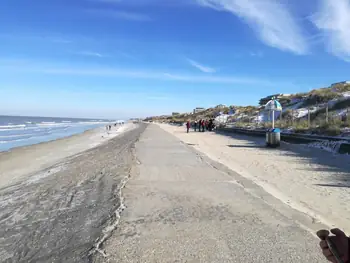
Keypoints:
pixel 336 164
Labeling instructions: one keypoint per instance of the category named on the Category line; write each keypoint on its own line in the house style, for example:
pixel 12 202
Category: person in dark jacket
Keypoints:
pixel 188 125
pixel 210 124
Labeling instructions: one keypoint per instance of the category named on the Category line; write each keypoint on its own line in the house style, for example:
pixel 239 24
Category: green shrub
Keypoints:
pixel 341 105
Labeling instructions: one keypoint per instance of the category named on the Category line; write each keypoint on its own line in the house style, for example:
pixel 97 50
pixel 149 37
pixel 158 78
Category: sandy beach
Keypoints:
pixel 62 197
pixel 151 194
pixel 24 161
pixel 309 180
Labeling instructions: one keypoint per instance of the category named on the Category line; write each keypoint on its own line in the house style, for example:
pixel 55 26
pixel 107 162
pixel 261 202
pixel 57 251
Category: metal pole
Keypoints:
pixel 273 119
pixel 308 117
pixel 327 113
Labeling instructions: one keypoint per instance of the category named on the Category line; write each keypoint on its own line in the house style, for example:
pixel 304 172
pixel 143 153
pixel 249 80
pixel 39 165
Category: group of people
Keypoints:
pixel 201 125
pixel 109 127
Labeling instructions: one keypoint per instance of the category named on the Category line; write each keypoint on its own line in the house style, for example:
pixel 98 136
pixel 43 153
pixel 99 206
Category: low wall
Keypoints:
pixel 344 148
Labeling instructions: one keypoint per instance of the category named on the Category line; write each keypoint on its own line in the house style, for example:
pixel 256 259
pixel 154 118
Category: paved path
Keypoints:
pixel 182 207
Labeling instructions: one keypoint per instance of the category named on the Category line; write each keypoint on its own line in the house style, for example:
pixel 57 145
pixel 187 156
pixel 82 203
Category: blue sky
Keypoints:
pixel 126 58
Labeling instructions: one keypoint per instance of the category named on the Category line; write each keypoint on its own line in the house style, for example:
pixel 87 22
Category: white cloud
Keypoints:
pixel 270 19
pixel 64 70
pixel 131 16
pixel 202 68
pixel 91 54
pixel 334 22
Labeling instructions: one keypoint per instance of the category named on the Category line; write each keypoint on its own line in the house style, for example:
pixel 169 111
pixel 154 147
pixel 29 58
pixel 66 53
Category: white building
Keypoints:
pixel 198 109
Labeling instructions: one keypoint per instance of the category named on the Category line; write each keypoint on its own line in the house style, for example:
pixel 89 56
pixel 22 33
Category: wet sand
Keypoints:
pixel 61 212
pixel 25 161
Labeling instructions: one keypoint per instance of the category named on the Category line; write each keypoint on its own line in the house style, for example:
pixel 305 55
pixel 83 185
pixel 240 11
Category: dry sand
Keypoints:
pixel 24 161
pixel 312 181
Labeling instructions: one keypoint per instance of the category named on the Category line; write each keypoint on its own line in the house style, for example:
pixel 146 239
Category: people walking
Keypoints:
pixel 188 125
pixel 210 124
pixel 195 125
pixel 203 125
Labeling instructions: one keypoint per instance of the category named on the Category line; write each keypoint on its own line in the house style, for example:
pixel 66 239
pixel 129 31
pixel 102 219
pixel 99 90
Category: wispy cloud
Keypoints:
pixel 114 14
pixel 201 67
pixel 60 40
pixel 258 54
pixel 26 37
pixel 91 54
pixel 334 22
pixel 7 65
pixel 270 19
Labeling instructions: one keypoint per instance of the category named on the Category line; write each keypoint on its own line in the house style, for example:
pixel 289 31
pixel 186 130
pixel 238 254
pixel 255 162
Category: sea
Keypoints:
pixel 17 131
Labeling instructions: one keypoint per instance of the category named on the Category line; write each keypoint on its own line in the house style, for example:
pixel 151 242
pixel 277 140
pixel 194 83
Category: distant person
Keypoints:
pixel 195 125
pixel 210 125
pixel 203 125
pixel 199 125
pixel 188 125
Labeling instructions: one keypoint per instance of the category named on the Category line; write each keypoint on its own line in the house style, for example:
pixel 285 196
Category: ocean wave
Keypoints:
pixel 17 135
pixel 51 124
pixel 18 140
pixel 18 128
pixel 93 122
pixel 13 126
pixel 66 121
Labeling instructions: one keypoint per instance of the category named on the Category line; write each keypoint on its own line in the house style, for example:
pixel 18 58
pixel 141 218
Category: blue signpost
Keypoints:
pixel 273 136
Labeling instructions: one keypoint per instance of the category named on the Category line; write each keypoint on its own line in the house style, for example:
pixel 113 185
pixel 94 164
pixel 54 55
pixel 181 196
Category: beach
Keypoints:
pixel 153 193
pixel 23 161
pixel 309 180
pixel 57 198
pixel 18 131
